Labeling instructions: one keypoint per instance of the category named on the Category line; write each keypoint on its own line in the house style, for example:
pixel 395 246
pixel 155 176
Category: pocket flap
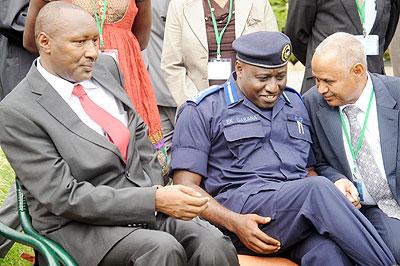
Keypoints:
pixel 239 131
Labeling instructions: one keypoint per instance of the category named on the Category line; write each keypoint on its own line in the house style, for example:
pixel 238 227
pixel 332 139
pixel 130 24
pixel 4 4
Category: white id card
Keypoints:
pixel 370 43
pixel 111 52
pixel 219 69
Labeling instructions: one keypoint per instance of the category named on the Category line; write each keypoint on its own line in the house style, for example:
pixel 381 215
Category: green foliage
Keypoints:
pixel 7 177
pixel 280 10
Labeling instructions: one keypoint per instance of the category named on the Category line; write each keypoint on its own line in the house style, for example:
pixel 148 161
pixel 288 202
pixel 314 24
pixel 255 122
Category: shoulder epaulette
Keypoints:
pixel 203 94
pixel 230 93
pixel 291 90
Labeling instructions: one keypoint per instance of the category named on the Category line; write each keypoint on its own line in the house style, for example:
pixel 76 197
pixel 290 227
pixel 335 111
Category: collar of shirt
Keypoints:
pixel 363 100
pixel 62 86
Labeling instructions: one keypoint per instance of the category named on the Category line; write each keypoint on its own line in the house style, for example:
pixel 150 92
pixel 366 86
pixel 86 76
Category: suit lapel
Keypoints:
pixel 242 11
pixel 330 123
pixel 388 129
pixel 194 14
pixel 53 103
pixel 351 9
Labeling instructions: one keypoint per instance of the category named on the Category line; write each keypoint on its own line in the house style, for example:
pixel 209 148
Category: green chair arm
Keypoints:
pixel 49 255
pixel 26 223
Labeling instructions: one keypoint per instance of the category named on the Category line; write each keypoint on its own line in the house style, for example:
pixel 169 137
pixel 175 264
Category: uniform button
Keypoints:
pixel 129 225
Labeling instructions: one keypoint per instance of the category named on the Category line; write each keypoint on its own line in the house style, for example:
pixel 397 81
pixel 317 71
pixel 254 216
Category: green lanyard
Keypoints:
pixel 361 12
pixel 354 153
pixel 218 35
pixel 100 25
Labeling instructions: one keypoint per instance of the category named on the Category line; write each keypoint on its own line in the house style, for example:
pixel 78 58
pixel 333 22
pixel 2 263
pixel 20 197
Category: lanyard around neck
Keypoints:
pixel 100 25
pixel 354 152
pixel 218 35
pixel 361 13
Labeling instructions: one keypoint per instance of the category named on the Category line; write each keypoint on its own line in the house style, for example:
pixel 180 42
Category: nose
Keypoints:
pixel 92 51
pixel 322 88
pixel 272 86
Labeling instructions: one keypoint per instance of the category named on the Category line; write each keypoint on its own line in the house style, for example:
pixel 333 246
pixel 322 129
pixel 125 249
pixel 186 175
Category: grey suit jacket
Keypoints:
pixel 79 190
pixel 327 136
pixel 310 22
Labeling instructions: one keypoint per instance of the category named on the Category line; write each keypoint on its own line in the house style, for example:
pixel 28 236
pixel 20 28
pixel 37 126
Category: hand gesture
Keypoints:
pixel 180 201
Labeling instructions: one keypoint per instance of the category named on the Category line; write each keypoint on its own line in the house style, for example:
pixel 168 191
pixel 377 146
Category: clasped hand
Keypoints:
pixel 180 201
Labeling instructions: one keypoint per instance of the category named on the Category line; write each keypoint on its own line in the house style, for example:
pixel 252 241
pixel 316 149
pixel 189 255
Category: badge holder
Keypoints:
pixel 111 52
pixel 219 69
pixel 370 43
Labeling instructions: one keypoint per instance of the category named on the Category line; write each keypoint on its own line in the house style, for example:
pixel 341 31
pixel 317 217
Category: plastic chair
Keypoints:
pixel 53 254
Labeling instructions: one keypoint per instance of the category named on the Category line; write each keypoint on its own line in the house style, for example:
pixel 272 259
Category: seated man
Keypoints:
pixel 355 124
pixel 248 144
pixel 90 175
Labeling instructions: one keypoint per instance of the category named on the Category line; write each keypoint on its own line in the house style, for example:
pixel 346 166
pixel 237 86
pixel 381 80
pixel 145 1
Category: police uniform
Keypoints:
pixel 254 160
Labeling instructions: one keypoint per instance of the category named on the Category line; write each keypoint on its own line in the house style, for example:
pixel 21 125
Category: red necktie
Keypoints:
pixel 116 131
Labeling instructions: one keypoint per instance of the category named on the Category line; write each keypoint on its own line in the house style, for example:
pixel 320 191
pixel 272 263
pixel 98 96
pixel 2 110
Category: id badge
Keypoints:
pixel 359 184
pixel 219 69
pixel 111 52
pixel 370 43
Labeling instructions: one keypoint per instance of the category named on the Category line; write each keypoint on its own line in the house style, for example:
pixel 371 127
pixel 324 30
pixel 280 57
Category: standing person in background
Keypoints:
pixel 394 49
pixel 15 62
pixel 166 104
pixel 197 51
pixel 310 22
pixel 124 27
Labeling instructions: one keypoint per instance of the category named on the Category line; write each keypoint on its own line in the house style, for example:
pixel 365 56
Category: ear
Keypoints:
pixel 238 67
pixel 359 70
pixel 43 43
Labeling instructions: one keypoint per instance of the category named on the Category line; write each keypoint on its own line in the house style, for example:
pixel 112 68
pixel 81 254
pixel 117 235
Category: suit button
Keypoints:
pixel 127 174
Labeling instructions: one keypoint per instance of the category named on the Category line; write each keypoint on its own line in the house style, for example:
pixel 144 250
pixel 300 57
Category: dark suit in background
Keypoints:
pixel 309 22
pixel 15 62
pixel 330 152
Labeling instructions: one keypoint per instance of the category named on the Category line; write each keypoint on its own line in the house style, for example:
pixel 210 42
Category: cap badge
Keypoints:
pixel 286 51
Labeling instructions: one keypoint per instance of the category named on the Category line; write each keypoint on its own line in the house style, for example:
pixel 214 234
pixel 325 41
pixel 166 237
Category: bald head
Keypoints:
pixel 344 47
pixel 57 15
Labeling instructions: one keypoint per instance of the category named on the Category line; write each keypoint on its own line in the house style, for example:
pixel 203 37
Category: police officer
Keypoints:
pixel 247 144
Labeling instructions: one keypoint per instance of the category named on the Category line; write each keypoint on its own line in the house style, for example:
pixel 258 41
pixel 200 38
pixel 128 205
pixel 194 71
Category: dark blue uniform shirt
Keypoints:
pixel 238 147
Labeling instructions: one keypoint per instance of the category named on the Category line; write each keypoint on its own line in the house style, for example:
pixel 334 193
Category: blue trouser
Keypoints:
pixel 309 213
pixel 387 227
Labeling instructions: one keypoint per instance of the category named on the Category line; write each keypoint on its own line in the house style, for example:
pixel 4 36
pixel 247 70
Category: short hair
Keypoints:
pixel 346 48
pixel 50 18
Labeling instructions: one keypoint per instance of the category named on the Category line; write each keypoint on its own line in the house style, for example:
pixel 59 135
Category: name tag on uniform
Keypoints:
pixel 219 69
pixel 111 52
pixel 370 43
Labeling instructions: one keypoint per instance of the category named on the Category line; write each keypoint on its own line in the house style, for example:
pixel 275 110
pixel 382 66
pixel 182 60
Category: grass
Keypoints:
pixel 7 177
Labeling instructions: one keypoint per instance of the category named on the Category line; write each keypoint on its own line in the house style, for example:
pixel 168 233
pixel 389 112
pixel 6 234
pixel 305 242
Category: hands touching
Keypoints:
pixel 180 201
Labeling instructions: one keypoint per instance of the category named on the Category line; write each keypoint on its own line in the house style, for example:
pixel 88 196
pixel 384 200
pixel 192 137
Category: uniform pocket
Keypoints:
pixel 243 139
pixel 299 127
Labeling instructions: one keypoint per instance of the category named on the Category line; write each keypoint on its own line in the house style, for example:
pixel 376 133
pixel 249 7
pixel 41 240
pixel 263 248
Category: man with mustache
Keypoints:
pixel 247 145
pixel 355 127
pixel 88 170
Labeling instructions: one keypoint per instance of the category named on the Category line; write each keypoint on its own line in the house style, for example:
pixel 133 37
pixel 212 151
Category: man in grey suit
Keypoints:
pixel 15 62
pixel 101 202
pixel 310 22
pixel 355 131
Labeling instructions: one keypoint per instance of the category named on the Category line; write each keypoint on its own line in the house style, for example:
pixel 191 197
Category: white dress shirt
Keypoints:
pixel 370 14
pixel 96 93
pixel 371 134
